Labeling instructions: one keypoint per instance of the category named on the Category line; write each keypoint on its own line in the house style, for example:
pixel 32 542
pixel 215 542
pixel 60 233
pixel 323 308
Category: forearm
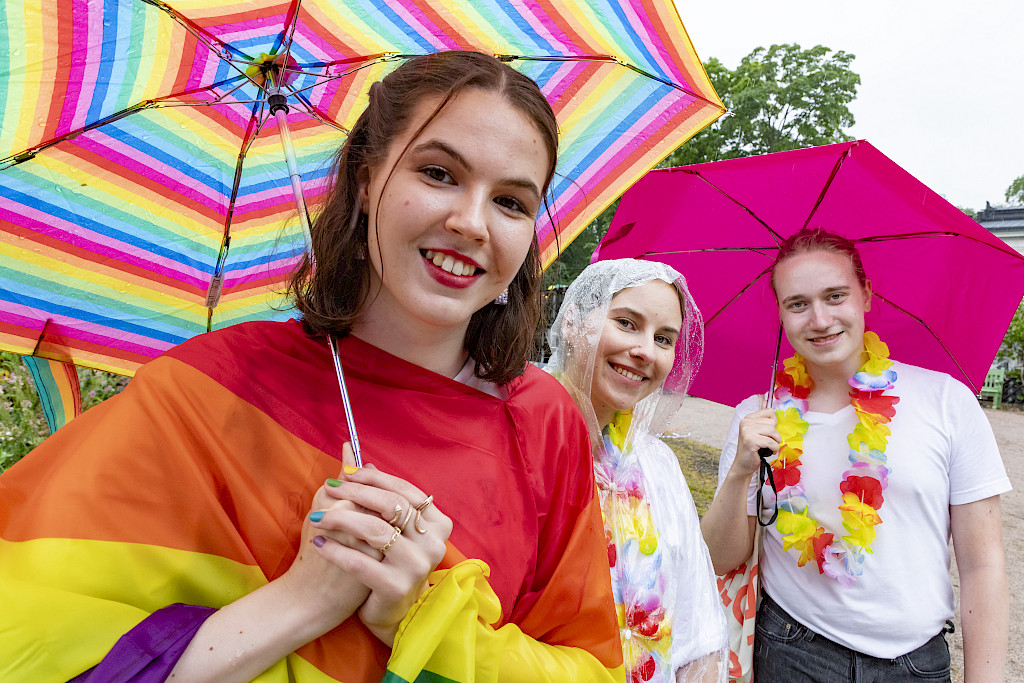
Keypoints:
pixel 246 637
pixel 985 622
pixel 727 528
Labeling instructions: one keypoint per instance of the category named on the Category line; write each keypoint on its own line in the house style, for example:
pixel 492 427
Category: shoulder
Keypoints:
pixel 542 394
pixel 915 380
pixel 244 349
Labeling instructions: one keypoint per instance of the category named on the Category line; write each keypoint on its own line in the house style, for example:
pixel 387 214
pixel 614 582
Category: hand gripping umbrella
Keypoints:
pixel 944 288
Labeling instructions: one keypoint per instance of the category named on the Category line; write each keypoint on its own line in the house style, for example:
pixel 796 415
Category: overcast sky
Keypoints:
pixel 942 82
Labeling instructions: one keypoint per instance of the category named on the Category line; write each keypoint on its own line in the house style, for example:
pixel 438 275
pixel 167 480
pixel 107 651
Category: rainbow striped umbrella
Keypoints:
pixel 144 194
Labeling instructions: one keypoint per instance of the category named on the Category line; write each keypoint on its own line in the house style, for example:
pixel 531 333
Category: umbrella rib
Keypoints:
pixel 28 154
pixel 209 41
pixel 200 33
pixel 613 60
pixel 776 236
pixel 213 292
pixel 931 332
pixel 828 183
pixel 312 112
pixel 736 296
pixel 293 20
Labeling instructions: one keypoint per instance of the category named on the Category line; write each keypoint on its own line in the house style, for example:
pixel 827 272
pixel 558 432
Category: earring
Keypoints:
pixel 361 252
pixel 502 299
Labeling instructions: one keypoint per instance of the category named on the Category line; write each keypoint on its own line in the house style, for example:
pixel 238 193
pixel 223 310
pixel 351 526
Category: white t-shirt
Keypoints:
pixel 942 452
pixel 698 627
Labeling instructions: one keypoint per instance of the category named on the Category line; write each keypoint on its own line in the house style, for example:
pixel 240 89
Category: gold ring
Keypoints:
pixel 419 513
pixel 398 515
pixel 405 520
pixel 394 537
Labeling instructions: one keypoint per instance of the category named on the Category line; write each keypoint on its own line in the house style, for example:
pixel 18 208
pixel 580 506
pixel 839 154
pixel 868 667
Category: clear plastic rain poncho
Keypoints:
pixel 670 615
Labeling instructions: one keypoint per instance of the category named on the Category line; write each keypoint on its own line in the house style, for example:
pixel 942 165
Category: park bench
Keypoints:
pixel 993 386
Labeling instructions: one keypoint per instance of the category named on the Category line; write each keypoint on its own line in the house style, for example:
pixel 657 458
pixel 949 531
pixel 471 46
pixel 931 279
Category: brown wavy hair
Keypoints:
pixel 332 293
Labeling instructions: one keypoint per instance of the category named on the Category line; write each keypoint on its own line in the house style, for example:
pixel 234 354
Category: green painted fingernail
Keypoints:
pixel 333 482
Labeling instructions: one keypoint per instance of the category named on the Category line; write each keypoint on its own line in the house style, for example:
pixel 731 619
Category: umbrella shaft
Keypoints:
pixel 293 170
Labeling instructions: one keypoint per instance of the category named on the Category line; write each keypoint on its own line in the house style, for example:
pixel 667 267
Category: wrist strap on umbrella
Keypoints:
pixel 764 471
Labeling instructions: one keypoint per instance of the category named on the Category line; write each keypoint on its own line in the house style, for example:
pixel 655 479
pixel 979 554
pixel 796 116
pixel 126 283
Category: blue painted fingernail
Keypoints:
pixel 316 516
pixel 319 541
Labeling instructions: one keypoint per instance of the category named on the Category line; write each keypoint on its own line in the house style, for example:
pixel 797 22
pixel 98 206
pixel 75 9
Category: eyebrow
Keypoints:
pixel 637 314
pixel 445 148
pixel 825 292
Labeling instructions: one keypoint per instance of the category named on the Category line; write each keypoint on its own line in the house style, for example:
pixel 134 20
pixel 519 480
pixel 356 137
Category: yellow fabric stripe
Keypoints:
pixel 77 597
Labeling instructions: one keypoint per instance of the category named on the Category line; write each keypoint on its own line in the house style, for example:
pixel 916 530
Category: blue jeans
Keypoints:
pixel 786 651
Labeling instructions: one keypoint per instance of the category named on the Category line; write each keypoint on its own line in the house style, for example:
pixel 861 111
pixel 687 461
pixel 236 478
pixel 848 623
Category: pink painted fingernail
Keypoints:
pixel 319 541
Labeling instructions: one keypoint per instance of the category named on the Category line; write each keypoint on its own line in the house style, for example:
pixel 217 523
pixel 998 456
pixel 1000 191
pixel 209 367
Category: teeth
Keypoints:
pixel 628 375
pixel 448 263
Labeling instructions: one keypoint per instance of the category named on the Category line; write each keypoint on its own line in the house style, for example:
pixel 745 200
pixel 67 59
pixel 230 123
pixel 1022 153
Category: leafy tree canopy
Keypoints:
pixel 1015 192
pixel 779 98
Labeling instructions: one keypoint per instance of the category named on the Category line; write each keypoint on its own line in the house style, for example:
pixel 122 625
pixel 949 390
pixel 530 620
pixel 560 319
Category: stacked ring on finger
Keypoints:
pixel 419 513
pixel 405 520
pixel 394 537
pixel 398 515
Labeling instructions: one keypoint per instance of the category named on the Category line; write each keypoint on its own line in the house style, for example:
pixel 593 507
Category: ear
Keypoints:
pixel 363 185
pixel 867 295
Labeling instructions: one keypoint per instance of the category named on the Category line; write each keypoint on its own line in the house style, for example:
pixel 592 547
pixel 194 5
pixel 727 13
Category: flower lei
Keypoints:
pixel 863 484
pixel 634 557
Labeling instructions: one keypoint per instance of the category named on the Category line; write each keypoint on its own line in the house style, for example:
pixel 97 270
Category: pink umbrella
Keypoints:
pixel 945 288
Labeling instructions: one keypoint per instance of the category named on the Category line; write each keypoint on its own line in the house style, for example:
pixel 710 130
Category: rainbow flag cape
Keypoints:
pixel 189 490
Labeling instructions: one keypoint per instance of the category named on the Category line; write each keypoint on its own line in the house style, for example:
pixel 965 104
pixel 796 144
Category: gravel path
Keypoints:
pixel 708 423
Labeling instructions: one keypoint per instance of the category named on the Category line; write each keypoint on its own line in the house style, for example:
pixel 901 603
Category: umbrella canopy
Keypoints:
pixel 945 288
pixel 144 196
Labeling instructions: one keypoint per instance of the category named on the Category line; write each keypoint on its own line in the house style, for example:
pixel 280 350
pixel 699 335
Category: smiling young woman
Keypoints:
pixel 208 524
pixel 626 343
pixel 859 439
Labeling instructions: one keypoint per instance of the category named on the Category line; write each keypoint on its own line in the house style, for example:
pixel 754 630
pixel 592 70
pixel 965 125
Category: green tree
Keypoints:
pixel 779 98
pixel 1013 342
pixel 1015 192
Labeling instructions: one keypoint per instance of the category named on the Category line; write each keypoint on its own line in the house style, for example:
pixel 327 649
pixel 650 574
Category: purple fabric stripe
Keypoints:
pixel 150 650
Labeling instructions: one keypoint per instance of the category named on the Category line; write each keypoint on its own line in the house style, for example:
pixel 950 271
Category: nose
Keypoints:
pixel 821 315
pixel 643 351
pixel 468 216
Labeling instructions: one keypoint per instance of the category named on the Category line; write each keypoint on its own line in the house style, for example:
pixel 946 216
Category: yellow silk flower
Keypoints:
pixel 795 368
pixel 791 427
pixel 874 434
pixel 798 531
pixel 859 519
pixel 878 355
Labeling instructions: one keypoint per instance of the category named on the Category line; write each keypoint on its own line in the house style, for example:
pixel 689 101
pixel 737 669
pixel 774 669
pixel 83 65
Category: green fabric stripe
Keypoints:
pixel 46 388
pixel 424 677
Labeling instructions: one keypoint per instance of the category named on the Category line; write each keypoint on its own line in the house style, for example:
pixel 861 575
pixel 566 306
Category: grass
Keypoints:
pixel 22 425
pixel 699 463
